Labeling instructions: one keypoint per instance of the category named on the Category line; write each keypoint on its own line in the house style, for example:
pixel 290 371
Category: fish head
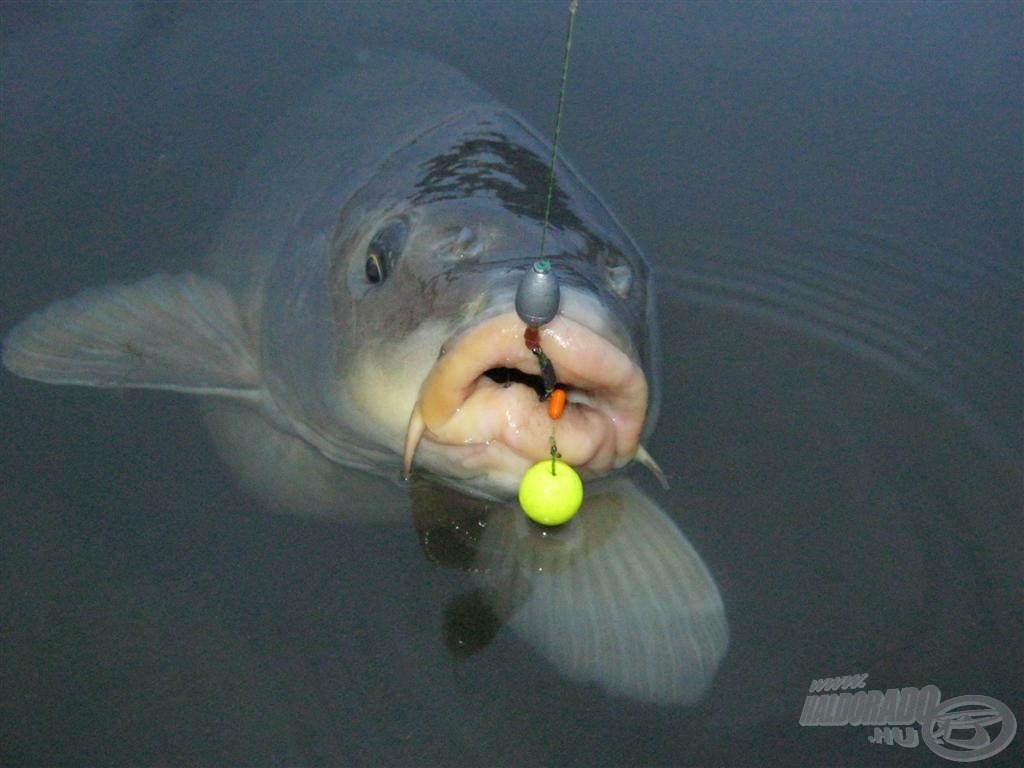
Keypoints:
pixel 432 359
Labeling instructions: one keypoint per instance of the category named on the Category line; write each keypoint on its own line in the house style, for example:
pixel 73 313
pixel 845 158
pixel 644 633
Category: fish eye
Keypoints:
pixel 375 268
pixel 384 249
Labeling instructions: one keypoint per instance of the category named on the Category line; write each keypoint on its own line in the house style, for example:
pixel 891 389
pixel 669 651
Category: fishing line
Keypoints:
pixel 549 496
pixel 547 370
pixel 573 4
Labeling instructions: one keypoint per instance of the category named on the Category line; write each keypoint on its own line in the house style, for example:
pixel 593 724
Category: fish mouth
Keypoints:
pixel 480 416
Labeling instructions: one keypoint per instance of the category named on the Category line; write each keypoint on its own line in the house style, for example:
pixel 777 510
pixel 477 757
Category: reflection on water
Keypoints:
pixel 934 313
pixel 856 510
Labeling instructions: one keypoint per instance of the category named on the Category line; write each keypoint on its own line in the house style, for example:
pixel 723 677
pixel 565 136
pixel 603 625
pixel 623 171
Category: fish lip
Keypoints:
pixel 475 427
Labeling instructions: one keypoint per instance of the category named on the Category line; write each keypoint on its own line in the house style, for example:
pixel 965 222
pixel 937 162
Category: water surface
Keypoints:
pixel 832 195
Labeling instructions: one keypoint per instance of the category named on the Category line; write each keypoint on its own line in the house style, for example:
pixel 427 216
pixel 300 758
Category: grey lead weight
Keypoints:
pixel 537 296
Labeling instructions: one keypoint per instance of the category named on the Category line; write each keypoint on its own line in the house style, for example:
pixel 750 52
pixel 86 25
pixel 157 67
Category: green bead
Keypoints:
pixel 550 499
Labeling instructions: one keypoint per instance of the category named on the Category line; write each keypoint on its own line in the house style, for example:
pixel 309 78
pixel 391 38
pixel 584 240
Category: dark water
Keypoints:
pixel 833 195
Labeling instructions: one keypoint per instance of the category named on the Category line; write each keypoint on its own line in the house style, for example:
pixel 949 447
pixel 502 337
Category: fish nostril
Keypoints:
pixel 464 244
pixel 619 278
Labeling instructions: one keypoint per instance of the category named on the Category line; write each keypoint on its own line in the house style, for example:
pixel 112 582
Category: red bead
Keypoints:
pixel 532 338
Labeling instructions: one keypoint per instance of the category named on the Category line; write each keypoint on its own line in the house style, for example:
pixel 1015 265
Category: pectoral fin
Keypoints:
pixel 617 596
pixel 178 332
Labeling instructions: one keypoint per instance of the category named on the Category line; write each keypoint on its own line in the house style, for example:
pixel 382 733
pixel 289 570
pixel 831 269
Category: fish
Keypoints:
pixel 355 317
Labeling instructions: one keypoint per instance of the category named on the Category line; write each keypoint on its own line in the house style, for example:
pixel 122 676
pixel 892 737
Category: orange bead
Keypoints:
pixel 556 404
